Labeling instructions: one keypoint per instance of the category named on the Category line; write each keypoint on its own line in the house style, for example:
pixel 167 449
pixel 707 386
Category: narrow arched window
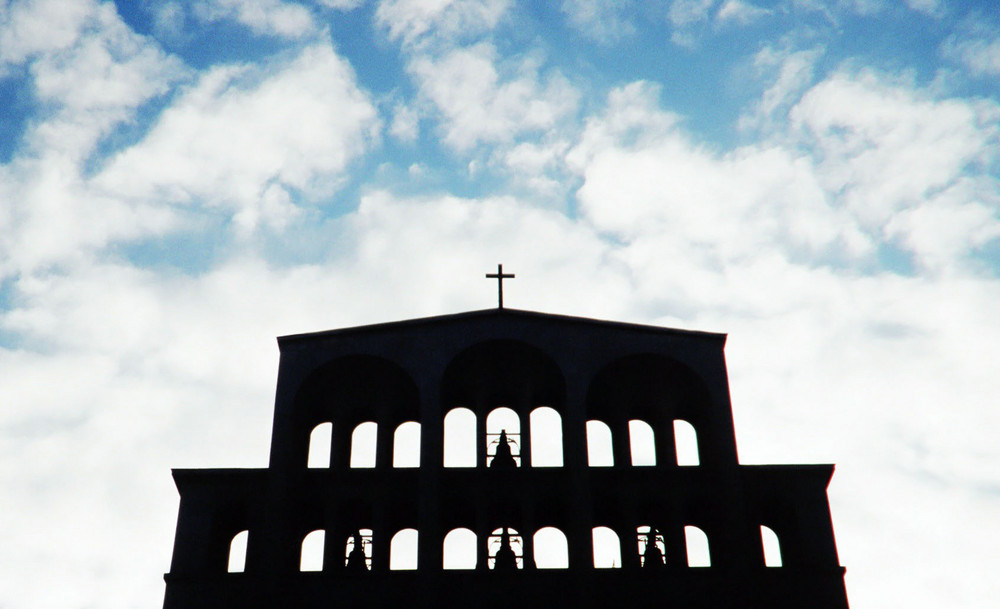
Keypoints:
pixel 363 445
pixel 772 547
pixel 406 445
pixel 551 549
pixel 652 549
pixel 506 550
pixel 599 445
pixel 696 543
pixel 460 549
pixel 642 442
pixel 403 551
pixel 546 438
pixel 460 438
pixel 607 548
pixel 503 438
pixel 686 443
pixel 238 552
pixel 319 446
pixel 312 551
pixel 358 551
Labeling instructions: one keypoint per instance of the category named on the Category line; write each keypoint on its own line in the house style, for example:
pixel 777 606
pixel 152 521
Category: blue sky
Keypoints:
pixel 180 182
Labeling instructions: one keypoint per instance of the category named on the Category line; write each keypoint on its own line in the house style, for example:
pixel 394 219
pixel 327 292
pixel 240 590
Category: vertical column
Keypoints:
pixel 383 444
pixel 481 445
pixel 673 539
pixel 621 443
pixel 340 446
pixel 525 448
pixel 666 443
pixel 381 541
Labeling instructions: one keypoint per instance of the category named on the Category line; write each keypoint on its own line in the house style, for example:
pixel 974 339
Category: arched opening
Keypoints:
pixel 652 549
pixel 311 558
pixel 363 445
pixel 460 438
pixel 403 551
pixel 460 549
pixel 686 442
pixel 642 442
pixel 319 446
pixel 506 550
pixel 238 552
pixel 607 549
pixel 551 549
pixel 350 390
pixel 358 551
pixel 772 547
pixel 696 543
pixel 546 438
pixel 406 445
pixel 599 445
pixel 503 426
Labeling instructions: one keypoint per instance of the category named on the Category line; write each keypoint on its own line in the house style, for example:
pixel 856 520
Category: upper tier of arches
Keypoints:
pixel 643 400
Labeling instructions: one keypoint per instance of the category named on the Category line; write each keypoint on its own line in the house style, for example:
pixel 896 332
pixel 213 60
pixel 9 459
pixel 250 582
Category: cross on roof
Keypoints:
pixel 499 276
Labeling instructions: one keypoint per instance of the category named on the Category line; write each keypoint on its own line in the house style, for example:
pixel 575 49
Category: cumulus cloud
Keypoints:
pixel 90 79
pixel 601 21
pixel 272 17
pixel 427 22
pixel 238 133
pixel 479 104
pixel 884 147
pixel 740 12
pixel 977 47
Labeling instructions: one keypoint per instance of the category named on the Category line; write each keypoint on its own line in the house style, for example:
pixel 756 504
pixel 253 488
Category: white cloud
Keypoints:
pixel 344 5
pixel 30 28
pixel 791 72
pixel 272 17
pixel 977 48
pixel 479 104
pixel 601 21
pixel 239 132
pixel 685 12
pixel 88 83
pixel 883 147
pixel 741 12
pixel 405 123
pixel 424 22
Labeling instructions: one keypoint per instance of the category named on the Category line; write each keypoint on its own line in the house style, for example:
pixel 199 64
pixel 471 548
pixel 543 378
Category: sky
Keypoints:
pixel 181 182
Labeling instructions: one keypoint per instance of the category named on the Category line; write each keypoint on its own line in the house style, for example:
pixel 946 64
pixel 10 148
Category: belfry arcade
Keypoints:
pixel 504 458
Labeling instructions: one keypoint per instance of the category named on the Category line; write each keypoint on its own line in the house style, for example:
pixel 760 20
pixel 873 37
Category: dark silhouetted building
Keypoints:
pixel 504 458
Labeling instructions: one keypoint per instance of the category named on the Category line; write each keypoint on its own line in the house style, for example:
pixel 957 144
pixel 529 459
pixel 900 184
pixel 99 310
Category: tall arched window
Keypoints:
pixel 506 550
pixel 238 552
pixel 642 442
pixel 319 445
pixel 607 548
pixel 312 551
pixel 772 547
pixel 697 547
pixel 363 445
pixel 551 549
pixel 406 445
pixel 460 438
pixel 460 549
pixel 652 549
pixel 358 551
pixel 403 551
pixel 599 445
pixel 686 442
pixel 546 438
pixel 503 425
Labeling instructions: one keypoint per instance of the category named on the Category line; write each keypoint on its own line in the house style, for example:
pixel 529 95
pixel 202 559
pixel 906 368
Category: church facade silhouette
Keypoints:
pixel 504 458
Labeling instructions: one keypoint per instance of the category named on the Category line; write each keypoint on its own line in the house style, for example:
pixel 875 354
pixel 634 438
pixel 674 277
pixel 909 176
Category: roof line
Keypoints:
pixel 490 312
